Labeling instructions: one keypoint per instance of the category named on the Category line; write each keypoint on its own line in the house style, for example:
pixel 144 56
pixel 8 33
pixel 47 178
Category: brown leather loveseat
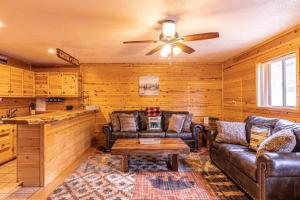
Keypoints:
pixel 273 175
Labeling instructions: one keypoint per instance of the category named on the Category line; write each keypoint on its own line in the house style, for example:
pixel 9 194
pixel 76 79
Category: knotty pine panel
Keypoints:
pixel 22 104
pixel 243 70
pixel 194 87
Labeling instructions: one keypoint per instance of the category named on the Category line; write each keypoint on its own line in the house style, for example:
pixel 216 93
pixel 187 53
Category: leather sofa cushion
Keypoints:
pixel 297 134
pixel 259 122
pixel 151 134
pixel 182 135
pixel 117 135
pixel 246 162
pixel 143 120
pixel 226 149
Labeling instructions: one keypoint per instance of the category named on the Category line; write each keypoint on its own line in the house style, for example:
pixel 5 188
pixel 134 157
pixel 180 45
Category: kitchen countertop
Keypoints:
pixel 48 117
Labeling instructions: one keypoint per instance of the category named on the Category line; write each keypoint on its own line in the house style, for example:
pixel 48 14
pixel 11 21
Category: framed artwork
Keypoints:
pixel 149 85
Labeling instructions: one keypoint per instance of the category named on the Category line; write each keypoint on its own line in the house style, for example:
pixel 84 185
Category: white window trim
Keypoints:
pixel 263 85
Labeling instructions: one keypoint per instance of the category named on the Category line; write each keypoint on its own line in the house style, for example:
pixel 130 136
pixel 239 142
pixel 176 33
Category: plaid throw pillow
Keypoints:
pixel 153 111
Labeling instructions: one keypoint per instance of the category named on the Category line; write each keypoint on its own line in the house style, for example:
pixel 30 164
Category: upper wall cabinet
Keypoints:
pixel 4 81
pixel 41 84
pixel 57 84
pixel 16 82
pixel 28 83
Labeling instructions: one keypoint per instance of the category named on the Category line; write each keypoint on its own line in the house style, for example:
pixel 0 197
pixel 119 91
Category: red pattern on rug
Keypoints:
pixel 172 186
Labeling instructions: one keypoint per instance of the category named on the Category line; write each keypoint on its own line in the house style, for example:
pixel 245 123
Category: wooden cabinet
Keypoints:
pixel 57 84
pixel 41 84
pixel 70 87
pixel 28 83
pixel 7 145
pixel 16 82
pixel 4 80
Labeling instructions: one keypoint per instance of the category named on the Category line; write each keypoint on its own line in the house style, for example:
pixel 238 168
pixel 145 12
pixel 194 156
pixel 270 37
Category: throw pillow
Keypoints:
pixel 153 111
pixel 127 122
pixel 176 123
pixel 115 122
pixel 282 141
pixel 258 135
pixel 154 123
pixel 187 123
pixel 231 132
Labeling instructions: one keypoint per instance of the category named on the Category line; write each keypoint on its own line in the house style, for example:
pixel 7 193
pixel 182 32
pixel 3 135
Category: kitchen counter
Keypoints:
pixel 48 117
pixel 48 143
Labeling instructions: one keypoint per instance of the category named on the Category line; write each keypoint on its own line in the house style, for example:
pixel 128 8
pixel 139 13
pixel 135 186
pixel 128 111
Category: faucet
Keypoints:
pixel 10 113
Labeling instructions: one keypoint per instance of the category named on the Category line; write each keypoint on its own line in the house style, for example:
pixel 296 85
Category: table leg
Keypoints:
pixel 124 163
pixel 174 162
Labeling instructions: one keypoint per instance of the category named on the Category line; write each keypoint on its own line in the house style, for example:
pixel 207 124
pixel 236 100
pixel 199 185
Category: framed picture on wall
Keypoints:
pixel 149 85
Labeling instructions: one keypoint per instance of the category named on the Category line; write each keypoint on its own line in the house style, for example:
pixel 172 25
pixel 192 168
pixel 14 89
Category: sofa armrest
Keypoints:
pixel 196 129
pixel 107 130
pixel 279 164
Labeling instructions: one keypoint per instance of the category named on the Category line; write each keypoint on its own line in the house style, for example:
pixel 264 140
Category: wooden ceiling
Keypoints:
pixel 93 30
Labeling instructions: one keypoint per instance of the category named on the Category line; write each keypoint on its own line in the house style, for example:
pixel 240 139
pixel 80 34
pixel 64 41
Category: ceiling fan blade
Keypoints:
pixel 140 41
pixel 201 36
pixel 185 48
pixel 156 49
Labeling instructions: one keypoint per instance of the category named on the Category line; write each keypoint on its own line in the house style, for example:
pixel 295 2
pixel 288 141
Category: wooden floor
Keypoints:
pixel 11 190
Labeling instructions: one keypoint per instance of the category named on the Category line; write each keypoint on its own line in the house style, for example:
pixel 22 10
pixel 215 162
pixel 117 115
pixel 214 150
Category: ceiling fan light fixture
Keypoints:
pixel 166 50
pixel 169 28
pixel 176 50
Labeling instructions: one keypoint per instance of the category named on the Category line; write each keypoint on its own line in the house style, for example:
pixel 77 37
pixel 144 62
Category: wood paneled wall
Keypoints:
pixel 239 78
pixel 193 87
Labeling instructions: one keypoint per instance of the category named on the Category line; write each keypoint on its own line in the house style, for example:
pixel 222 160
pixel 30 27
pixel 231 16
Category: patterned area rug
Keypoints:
pixel 148 178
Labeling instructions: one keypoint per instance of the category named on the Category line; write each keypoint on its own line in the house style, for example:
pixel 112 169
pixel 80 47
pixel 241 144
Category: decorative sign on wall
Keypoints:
pixel 149 85
pixel 67 57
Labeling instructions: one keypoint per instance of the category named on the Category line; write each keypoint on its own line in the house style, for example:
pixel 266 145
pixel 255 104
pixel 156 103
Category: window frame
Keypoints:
pixel 266 103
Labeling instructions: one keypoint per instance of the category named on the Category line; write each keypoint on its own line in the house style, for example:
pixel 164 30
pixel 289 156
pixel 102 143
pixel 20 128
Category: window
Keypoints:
pixel 276 82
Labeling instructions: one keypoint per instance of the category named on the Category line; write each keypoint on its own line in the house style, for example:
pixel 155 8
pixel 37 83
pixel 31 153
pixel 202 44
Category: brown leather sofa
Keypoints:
pixel 190 138
pixel 273 175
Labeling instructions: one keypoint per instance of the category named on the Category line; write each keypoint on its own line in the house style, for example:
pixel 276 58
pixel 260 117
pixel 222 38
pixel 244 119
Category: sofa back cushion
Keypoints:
pixel 297 134
pixel 261 122
pixel 166 117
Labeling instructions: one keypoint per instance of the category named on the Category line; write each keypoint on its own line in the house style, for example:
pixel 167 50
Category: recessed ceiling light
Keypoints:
pixel 1 24
pixel 51 51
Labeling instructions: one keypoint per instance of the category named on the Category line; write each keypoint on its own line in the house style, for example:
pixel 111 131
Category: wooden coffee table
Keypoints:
pixel 171 146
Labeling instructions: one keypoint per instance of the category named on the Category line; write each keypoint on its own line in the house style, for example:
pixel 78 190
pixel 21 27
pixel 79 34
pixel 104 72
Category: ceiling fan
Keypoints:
pixel 170 43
